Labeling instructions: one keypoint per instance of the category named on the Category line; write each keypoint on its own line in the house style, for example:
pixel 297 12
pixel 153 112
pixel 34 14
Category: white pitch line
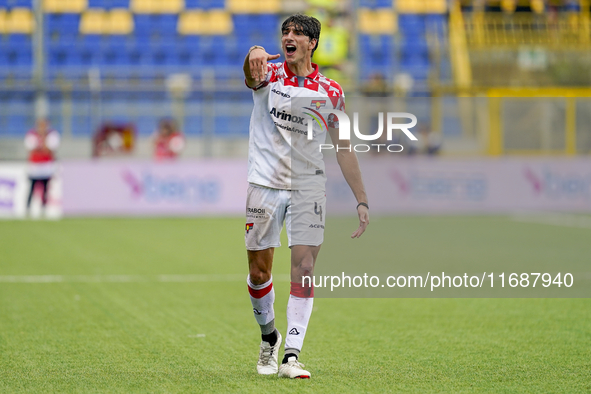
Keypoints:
pixel 130 278
pixel 555 219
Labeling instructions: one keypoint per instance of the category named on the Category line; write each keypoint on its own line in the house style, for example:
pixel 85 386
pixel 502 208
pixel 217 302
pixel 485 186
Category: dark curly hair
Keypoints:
pixel 309 25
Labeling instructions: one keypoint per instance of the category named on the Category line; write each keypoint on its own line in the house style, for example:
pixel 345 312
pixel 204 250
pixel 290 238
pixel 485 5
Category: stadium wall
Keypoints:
pixel 394 186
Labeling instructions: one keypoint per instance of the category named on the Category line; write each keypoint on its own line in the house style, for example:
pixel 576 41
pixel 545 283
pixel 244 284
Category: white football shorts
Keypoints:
pixel 266 209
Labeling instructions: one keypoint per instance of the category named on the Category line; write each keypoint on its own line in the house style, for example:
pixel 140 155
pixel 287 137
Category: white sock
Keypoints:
pixel 262 298
pixel 299 310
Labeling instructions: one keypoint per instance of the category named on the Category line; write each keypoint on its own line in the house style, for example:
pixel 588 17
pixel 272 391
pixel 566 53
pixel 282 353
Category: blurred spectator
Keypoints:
pixel 428 143
pixel 168 140
pixel 333 47
pixel 113 140
pixel 42 143
pixel 376 86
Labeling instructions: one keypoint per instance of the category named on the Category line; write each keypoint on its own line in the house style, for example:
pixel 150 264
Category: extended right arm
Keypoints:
pixel 255 65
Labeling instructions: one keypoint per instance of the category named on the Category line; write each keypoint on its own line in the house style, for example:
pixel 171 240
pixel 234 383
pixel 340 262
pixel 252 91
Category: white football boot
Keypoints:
pixel 267 364
pixel 293 369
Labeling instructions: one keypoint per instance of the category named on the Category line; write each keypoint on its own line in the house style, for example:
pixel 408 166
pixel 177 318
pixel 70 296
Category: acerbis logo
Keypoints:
pixel 316 226
pixel 281 93
pixel 287 116
pixel 256 311
pixel 345 129
pixel 294 331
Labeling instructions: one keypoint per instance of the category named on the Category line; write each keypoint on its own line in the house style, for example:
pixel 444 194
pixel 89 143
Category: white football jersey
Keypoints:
pixel 280 154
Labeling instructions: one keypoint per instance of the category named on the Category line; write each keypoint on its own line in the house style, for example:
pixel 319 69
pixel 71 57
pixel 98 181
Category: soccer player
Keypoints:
pixel 286 182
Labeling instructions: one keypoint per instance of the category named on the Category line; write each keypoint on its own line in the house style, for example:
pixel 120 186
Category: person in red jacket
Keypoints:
pixel 168 140
pixel 42 143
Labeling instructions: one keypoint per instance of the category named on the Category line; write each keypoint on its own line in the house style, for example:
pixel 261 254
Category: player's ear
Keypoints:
pixel 312 43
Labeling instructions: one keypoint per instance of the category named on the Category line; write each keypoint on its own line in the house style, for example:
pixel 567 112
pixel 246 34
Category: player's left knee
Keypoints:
pixel 306 267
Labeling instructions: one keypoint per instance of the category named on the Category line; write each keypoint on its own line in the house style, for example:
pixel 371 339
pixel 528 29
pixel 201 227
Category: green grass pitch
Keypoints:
pixel 129 331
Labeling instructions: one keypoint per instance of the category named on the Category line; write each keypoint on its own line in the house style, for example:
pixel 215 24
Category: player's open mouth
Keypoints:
pixel 290 49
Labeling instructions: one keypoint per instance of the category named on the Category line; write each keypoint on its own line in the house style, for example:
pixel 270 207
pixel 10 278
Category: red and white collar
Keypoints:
pixel 290 74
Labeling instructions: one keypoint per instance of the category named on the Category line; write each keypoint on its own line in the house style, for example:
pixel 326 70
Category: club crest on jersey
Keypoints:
pixel 318 103
pixel 249 227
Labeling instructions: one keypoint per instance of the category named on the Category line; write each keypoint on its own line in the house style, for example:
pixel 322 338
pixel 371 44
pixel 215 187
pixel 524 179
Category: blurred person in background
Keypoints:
pixel 428 143
pixel 42 143
pixel 168 140
pixel 333 50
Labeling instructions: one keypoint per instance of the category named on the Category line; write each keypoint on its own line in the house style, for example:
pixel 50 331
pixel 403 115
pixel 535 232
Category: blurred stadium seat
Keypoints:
pixel 134 45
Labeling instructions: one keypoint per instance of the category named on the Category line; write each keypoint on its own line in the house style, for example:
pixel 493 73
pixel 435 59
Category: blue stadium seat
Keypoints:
pixel 16 3
pixel 376 4
pixel 143 24
pixel 108 4
pixel 204 4
pixel 411 23
pixel 119 4
pixel 81 126
pixel 167 25
pixel 231 126
pixel 193 126
pixel 99 3
pixel 63 23
pixel 19 41
pixel 91 41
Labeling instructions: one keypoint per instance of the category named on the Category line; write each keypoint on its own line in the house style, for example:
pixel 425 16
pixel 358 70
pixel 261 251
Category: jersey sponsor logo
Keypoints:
pixel 318 210
pixel 249 227
pixel 280 93
pixel 316 226
pixel 318 103
pixel 292 129
pixel 287 116
pixel 294 331
pixel 256 213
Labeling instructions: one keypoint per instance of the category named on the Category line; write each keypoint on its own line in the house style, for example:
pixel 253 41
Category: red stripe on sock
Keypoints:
pixel 306 291
pixel 260 293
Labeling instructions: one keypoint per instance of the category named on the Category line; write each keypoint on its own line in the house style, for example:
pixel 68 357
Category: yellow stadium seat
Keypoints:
pixel 421 6
pixel 157 6
pixel 377 22
pixel 120 22
pixel 94 21
pixel 69 6
pixel 199 22
pixel 20 20
pixel 409 6
pixel 434 6
pixel 3 21
pixel 253 6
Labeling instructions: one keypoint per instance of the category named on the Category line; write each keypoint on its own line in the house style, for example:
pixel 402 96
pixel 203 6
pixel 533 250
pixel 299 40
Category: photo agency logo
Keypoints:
pixel 344 125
